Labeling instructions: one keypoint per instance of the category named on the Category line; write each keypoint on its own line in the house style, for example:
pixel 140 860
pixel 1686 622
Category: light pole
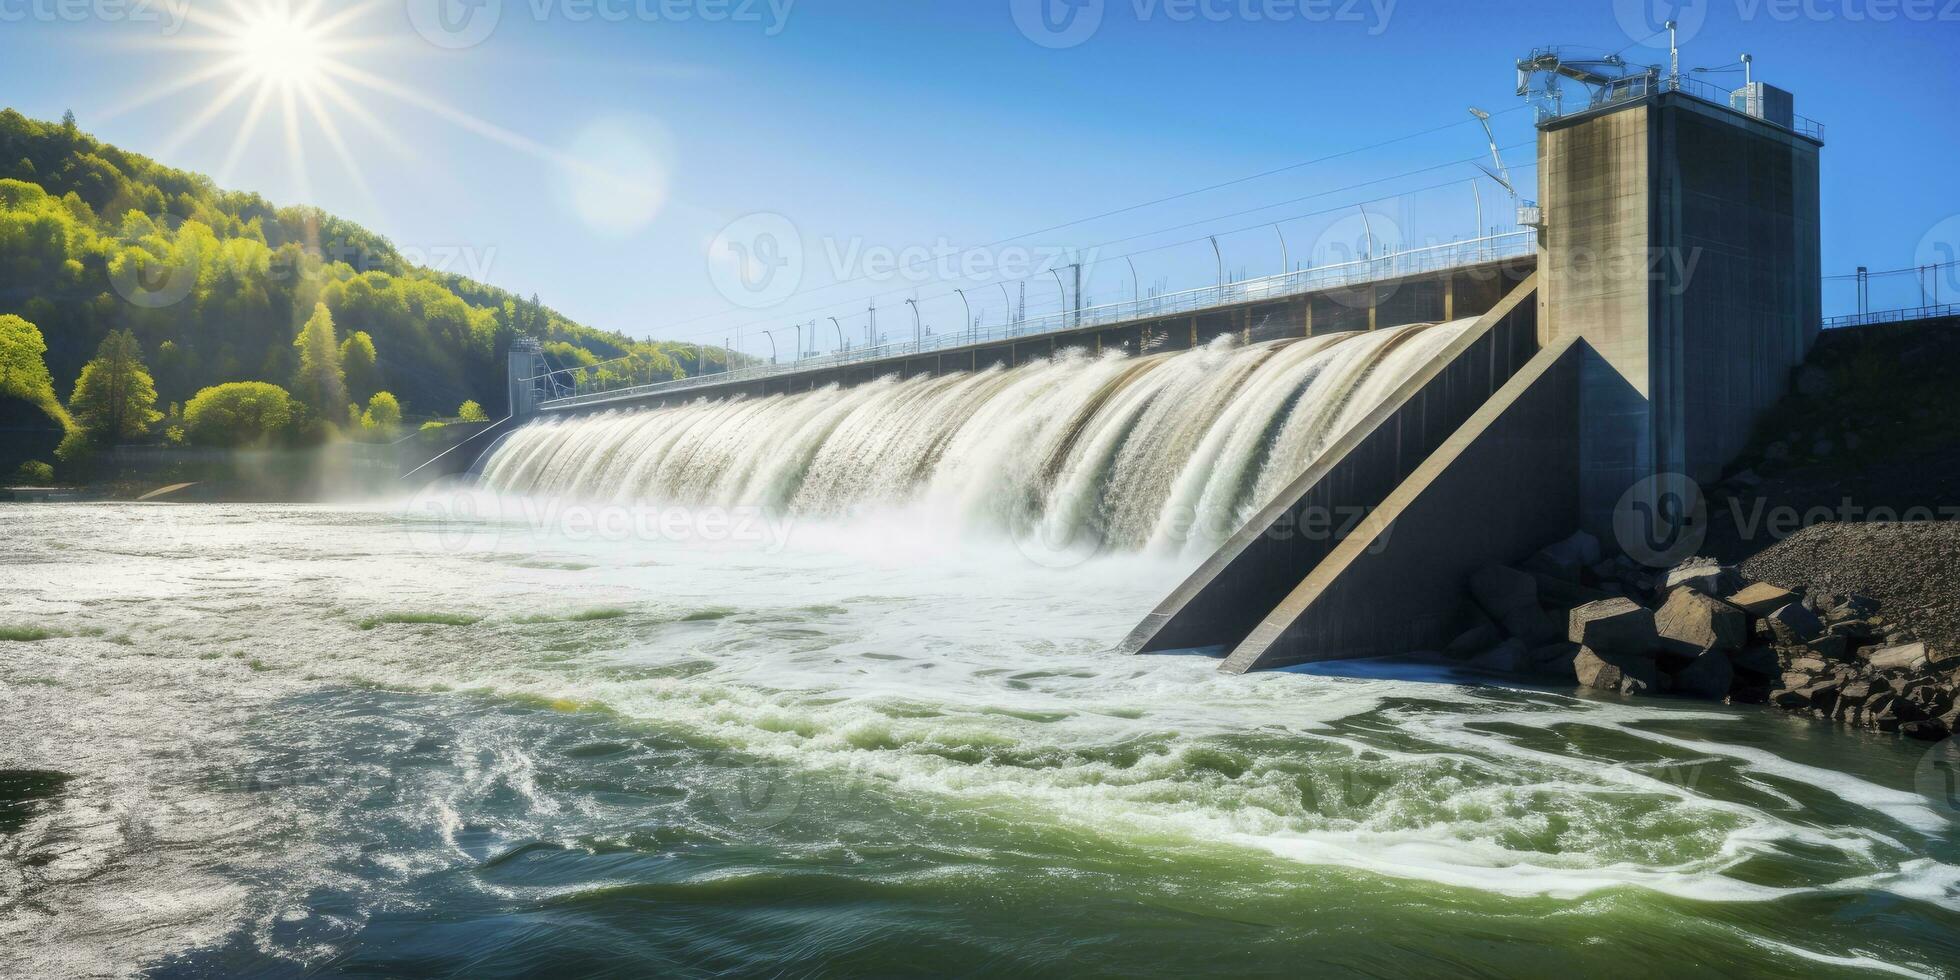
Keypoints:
pixel 969 312
pixel 1136 286
pixel 1220 257
pixel 841 345
pixel 1063 290
pixel 772 344
pixel 1007 305
pixel 1284 259
pixel 918 330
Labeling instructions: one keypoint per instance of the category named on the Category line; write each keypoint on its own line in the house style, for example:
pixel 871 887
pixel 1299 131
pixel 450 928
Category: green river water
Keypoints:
pixel 353 741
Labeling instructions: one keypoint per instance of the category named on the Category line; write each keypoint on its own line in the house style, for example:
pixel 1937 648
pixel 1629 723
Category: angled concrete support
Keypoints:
pixel 1503 485
pixel 1220 603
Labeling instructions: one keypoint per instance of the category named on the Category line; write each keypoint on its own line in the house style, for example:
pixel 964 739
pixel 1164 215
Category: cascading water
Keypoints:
pixel 1164 451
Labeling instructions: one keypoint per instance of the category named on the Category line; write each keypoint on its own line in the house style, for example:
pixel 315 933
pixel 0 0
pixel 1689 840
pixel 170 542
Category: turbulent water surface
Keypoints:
pixel 798 684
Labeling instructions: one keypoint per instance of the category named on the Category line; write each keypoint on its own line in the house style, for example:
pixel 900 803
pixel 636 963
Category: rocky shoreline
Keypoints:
pixel 1706 630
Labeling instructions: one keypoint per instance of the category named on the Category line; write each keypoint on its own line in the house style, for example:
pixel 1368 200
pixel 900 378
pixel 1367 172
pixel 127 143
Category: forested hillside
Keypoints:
pixel 215 285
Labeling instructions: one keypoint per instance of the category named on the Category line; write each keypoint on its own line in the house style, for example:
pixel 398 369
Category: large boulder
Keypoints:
pixel 1906 656
pixel 1507 657
pixel 1794 623
pixel 1615 672
pixel 1474 640
pixel 1617 626
pixel 1761 598
pixel 1566 558
pixel 1554 660
pixel 1704 575
pixel 1510 597
pixel 1707 676
pixel 1690 622
pixel 1756 661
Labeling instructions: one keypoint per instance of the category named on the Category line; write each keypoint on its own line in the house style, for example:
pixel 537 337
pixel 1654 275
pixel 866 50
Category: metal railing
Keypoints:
pixel 1635 87
pixel 1900 315
pixel 600 382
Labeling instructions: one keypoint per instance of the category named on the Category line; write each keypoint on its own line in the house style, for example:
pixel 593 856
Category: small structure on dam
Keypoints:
pixel 1660 301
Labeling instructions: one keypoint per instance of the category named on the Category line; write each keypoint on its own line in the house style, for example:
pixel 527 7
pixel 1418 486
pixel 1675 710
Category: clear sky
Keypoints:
pixel 592 151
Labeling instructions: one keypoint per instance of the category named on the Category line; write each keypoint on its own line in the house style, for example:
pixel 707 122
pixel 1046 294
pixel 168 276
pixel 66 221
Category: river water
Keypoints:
pixel 401 740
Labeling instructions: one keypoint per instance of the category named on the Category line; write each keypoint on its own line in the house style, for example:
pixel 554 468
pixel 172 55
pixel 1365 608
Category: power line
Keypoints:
pixel 823 310
pixel 1122 210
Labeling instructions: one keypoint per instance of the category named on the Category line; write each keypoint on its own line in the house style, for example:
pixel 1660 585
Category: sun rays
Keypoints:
pixel 297 75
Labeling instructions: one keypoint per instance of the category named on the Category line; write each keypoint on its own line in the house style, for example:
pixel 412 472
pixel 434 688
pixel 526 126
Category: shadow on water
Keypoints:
pixel 23 791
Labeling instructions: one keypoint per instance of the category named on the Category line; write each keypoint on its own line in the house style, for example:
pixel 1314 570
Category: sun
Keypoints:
pixel 276 48
pixel 292 70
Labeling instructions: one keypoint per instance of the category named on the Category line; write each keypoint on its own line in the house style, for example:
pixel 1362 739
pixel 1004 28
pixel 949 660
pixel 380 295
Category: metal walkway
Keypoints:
pixel 597 384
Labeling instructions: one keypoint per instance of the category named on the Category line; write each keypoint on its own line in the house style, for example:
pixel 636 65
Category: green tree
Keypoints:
pixel 357 363
pixel 383 415
pixel 470 411
pixel 241 413
pixel 115 399
pixel 319 384
pixel 24 367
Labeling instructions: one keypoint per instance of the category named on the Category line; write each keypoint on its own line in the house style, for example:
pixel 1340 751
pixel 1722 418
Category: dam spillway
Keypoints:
pixel 1672 287
pixel 1165 452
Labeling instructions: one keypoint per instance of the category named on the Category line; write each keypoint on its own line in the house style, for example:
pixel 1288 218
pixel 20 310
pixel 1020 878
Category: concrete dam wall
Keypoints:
pixel 1163 452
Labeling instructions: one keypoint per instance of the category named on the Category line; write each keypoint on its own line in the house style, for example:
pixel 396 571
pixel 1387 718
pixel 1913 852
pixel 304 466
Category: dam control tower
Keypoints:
pixel 1676 286
pixel 1681 241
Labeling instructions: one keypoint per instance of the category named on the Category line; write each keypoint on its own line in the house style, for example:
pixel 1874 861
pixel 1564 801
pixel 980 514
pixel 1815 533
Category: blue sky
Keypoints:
pixel 594 160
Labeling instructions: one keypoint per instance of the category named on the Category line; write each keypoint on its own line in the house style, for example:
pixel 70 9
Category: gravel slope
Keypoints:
pixel 1912 569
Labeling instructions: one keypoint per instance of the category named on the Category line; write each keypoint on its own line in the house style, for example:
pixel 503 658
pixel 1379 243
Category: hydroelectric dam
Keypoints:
pixel 1342 445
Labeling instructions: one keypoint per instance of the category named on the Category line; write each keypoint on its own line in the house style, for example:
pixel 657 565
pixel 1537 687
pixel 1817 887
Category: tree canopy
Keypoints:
pixel 115 398
pixel 24 368
pixel 99 239
pixel 241 413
